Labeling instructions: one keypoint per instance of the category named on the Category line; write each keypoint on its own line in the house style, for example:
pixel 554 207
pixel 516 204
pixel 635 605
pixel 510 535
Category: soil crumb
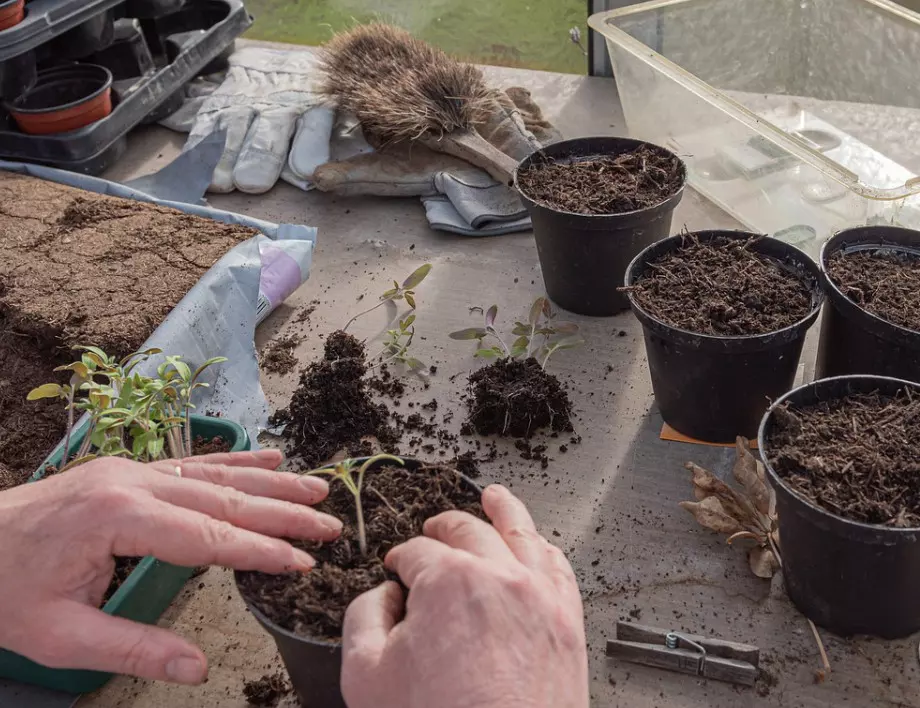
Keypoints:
pixel 604 185
pixel 267 690
pixel 517 398
pixel 854 456
pixel 278 357
pixel 208 446
pixel 332 409
pixel 884 282
pixel 85 268
pixel 723 287
pixel 396 501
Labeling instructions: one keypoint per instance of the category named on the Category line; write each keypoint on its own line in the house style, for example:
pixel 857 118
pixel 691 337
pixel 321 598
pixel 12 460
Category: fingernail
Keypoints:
pixel 186 669
pixel 303 560
pixel 313 484
pixel 330 523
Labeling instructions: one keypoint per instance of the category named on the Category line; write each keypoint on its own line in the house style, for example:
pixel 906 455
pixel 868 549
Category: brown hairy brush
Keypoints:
pixel 399 87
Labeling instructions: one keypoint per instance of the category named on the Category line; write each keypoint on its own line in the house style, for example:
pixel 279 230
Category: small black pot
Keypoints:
pixel 128 55
pixel 716 388
pixel 88 37
pixel 583 257
pixel 315 665
pixel 853 340
pixel 146 9
pixel 849 577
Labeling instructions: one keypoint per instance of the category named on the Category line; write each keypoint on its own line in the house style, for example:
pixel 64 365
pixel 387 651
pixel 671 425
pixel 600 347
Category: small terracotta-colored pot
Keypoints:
pixel 64 98
pixel 12 12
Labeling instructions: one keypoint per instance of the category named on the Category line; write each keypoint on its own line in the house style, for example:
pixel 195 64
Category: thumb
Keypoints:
pixel 368 622
pixel 81 637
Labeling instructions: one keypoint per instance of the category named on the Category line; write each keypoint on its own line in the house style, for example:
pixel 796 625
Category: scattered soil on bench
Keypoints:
pixel 278 357
pixel 208 446
pixel 84 268
pixel 602 185
pixel 397 501
pixel 857 457
pixel 267 690
pixel 886 283
pixel 722 287
pixel 332 408
pixel 516 398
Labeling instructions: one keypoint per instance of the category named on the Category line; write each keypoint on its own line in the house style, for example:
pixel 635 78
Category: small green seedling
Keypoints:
pixel 406 292
pixel 540 337
pixel 144 418
pixel 343 473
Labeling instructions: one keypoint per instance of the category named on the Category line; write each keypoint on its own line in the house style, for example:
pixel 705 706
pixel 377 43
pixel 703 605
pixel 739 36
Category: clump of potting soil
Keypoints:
pixel 267 690
pixel 278 357
pixel 515 395
pixel 396 502
pixel 604 184
pixel 331 408
pixel 886 283
pixel 722 287
pixel 854 456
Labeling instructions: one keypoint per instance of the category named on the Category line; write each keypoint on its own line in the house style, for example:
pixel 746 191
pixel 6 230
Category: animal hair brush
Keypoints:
pixel 402 89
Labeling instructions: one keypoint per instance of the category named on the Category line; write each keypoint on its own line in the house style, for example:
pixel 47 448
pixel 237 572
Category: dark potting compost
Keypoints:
pixel 396 501
pixel 83 268
pixel 332 408
pixel 602 185
pixel 886 283
pixel 516 398
pixel 208 446
pixel 267 690
pixel 856 456
pixel 721 287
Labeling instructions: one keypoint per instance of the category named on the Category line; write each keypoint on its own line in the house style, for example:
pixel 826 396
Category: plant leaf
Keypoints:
pixel 406 323
pixel 565 328
pixel 387 294
pixel 536 310
pixel 468 333
pixel 417 276
pixel 411 300
pixel 763 563
pixel 569 342
pixel 413 363
pixel 521 329
pixel 487 353
pixel 49 390
pixel 491 313
pixel 710 514
pixel 749 472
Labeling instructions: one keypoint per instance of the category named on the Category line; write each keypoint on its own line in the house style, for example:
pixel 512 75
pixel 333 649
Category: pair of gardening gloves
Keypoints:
pixel 277 127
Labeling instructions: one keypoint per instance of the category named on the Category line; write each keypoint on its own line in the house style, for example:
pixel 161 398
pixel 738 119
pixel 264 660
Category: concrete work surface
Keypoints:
pixel 610 502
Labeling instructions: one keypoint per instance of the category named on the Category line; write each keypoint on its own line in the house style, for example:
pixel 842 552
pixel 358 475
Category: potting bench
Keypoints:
pixel 610 502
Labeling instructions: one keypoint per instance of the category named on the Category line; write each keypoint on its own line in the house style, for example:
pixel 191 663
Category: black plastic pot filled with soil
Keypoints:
pixel 871 276
pixel 841 454
pixel 724 314
pixel 304 611
pixel 595 203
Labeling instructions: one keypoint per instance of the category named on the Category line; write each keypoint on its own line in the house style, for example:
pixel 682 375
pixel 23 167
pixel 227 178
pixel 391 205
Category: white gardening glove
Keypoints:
pixel 267 98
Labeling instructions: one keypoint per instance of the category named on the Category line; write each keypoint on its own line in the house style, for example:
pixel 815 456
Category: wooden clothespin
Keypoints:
pixel 686 653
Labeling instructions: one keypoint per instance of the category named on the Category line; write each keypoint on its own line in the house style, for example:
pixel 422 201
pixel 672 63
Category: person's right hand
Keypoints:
pixel 493 620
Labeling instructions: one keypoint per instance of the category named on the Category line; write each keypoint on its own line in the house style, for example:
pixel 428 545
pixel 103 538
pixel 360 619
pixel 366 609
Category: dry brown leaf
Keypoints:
pixel 749 473
pixel 710 513
pixel 762 561
pixel 706 484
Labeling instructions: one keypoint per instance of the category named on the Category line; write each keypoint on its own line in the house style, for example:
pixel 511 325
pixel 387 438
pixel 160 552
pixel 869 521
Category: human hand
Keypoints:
pixel 493 620
pixel 60 536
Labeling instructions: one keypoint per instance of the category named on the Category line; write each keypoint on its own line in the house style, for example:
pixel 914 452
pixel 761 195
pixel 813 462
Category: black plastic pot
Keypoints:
pixel 849 577
pixel 715 388
pixel 853 340
pixel 583 257
pixel 145 9
pixel 314 665
pixel 127 56
pixel 86 38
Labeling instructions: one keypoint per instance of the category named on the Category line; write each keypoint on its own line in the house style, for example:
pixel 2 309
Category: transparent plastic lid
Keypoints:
pixel 835 81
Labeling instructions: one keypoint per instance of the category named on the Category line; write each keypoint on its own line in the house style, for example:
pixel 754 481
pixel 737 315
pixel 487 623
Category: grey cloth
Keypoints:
pixel 474 204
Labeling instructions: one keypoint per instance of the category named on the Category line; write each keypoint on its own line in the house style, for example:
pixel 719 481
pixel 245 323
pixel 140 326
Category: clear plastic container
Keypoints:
pixel 798 117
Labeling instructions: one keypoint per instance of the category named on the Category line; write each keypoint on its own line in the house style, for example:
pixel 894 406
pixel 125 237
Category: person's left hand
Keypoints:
pixel 60 536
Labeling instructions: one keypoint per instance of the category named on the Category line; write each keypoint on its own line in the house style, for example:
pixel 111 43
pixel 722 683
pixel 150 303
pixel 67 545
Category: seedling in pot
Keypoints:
pixel 343 473
pixel 540 337
pixel 144 418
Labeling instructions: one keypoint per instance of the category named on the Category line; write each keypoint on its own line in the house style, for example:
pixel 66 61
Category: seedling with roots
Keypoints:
pixel 144 418
pixel 540 337
pixel 406 292
pixel 396 343
pixel 343 473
